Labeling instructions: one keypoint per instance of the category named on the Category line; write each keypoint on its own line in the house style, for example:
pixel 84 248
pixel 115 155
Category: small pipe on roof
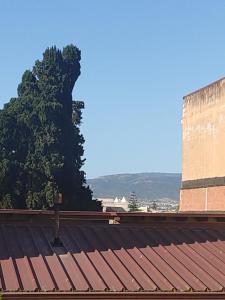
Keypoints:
pixel 58 199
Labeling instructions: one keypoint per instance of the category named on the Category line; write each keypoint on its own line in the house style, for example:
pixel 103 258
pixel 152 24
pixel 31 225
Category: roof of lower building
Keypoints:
pixel 109 254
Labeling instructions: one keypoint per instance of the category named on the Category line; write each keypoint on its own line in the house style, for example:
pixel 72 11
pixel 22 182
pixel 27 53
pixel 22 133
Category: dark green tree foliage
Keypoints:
pixel 133 202
pixel 41 146
pixel 154 205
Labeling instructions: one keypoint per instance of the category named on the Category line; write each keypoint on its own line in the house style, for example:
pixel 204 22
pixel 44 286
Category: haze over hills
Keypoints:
pixel 147 186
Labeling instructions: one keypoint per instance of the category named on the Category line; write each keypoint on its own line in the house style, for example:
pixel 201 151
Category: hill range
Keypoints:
pixel 147 186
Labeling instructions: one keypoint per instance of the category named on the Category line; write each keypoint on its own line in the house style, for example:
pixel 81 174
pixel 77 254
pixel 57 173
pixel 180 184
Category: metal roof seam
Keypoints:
pixel 215 242
pixel 203 237
pixel 209 265
pixel 55 288
pixel 24 268
pixel 93 233
pixel 159 262
pixel 218 243
pixel 34 274
pixel 137 236
pixel 86 257
pixel 119 267
pixel 42 259
pixel 161 251
pixel 139 270
pixel 29 261
pixel 189 253
pixel 20 287
pixel 212 252
pixel 92 263
pixel 48 267
pixel 125 266
pixel 74 271
pixel 72 288
pixel 221 236
pixel 179 264
pixel 181 259
pixel 163 277
pixel 63 237
pixel 144 269
pixel 140 288
pixel 191 267
pixel 2 282
pixel 57 259
pixel 13 260
pixel 8 270
pixel 48 239
pixel 96 266
pixel 176 252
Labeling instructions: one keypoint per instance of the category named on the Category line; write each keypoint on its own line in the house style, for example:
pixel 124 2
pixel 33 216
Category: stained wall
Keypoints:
pixel 203 164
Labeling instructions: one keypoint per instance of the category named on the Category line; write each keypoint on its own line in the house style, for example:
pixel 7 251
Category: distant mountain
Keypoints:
pixel 149 186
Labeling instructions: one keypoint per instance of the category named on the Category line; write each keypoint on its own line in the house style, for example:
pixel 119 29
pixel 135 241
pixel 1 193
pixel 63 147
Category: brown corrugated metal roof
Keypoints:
pixel 158 258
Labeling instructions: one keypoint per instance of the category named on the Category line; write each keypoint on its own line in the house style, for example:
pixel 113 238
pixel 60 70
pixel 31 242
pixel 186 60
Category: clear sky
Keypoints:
pixel 139 58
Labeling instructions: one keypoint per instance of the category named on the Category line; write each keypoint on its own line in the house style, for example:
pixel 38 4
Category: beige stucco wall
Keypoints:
pixel 203 199
pixel 204 133
pixel 192 200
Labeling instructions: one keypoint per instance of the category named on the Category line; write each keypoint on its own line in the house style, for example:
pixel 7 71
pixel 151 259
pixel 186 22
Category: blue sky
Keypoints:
pixel 139 58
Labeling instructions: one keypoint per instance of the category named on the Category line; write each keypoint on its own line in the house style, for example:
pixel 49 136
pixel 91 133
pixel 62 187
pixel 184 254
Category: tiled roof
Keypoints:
pixel 165 257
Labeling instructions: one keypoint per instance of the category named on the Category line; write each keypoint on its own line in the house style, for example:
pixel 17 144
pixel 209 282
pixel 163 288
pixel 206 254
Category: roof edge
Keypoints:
pixel 11 215
pixel 78 214
pixel 204 87
pixel 113 295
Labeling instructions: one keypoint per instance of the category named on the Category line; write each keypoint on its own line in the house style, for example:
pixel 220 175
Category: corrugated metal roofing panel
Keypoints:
pixel 112 258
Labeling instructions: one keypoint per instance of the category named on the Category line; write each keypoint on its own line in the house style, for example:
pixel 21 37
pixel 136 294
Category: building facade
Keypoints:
pixel 203 165
pixel 114 204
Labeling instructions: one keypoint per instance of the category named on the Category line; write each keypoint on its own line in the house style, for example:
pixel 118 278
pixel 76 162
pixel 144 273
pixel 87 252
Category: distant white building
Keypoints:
pixel 143 208
pixel 117 204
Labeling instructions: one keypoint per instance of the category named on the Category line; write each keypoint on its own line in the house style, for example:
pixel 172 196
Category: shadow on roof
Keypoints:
pixel 32 241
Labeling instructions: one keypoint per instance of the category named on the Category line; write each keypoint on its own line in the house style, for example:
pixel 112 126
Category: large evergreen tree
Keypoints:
pixel 41 146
